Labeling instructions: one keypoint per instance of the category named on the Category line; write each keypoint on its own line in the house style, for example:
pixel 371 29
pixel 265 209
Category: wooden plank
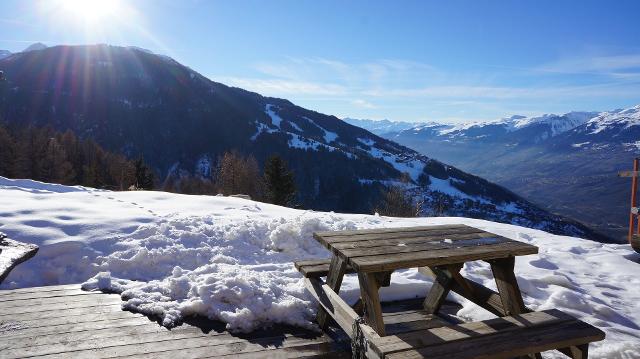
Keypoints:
pixel 262 347
pixel 475 292
pixel 24 330
pixel 61 306
pixel 358 232
pixel 87 298
pixel 409 240
pixel 442 257
pixel 435 234
pixel 509 344
pixel 440 288
pixel 453 336
pixel 311 262
pixel 371 299
pixel 629 174
pixel 190 347
pixel 45 294
pixel 321 350
pixel 101 308
pixel 318 268
pixel 337 269
pixel 39 289
pixel 89 338
pixel 508 285
pixel 457 245
pixel 342 313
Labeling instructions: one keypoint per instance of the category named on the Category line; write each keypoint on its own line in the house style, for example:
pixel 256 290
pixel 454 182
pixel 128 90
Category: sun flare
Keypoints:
pixel 89 12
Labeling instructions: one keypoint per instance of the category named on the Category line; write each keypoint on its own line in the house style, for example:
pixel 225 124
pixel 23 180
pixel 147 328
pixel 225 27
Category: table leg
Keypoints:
pixel 442 283
pixel 370 297
pixel 337 268
pixel 508 285
pixel 509 290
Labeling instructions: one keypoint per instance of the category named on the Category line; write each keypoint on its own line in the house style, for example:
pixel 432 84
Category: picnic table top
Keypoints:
pixel 387 249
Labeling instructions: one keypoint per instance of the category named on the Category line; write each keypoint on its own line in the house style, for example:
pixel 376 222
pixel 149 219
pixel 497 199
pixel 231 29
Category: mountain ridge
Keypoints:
pixel 139 103
pixel 569 169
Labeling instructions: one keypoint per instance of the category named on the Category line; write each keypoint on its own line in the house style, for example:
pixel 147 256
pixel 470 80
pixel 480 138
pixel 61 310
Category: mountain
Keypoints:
pixel 380 127
pixel 35 47
pixel 565 163
pixel 4 53
pixel 139 103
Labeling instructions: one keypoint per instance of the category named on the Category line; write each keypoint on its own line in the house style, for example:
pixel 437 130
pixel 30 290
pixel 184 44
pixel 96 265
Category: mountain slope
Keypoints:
pixel 135 102
pixel 566 163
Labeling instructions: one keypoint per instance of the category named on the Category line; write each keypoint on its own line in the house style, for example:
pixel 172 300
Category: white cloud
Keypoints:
pixel 281 87
pixel 363 104
pixel 593 64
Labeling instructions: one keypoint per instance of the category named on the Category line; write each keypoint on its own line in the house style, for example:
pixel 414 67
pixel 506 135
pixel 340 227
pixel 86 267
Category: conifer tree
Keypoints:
pixel 279 182
pixel 143 174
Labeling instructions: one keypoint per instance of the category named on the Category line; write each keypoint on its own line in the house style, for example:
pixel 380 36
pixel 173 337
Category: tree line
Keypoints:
pixel 236 173
pixel 46 155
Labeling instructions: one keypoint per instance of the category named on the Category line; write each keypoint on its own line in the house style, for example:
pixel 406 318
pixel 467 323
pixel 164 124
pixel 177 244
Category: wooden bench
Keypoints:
pixel 316 268
pixel 505 337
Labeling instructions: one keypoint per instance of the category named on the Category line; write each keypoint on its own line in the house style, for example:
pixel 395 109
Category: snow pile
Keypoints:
pixel 231 259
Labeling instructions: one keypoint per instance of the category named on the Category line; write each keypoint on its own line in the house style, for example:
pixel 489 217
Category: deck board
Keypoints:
pixel 65 322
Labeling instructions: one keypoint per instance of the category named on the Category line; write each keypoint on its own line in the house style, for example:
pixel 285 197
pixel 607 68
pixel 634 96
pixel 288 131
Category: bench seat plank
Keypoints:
pixel 316 268
pixel 496 338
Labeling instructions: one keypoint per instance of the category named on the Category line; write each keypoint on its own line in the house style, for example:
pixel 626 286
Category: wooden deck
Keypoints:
pixel 66 322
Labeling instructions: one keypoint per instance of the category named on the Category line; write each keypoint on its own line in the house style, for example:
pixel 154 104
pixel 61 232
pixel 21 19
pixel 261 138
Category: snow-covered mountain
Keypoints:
pixel 231 259
pixel 4 53
pixel 566 163
pixel 136 102
pixel 380 127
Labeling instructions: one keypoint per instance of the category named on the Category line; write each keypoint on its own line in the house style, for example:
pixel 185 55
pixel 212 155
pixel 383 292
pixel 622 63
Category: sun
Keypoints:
pixel 89 12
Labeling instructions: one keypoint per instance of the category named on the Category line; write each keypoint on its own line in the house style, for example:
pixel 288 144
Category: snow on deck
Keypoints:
pixel 232 259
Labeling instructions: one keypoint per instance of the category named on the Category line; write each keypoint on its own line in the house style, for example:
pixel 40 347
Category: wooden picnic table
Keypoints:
pixel 439 251
pixel 374 254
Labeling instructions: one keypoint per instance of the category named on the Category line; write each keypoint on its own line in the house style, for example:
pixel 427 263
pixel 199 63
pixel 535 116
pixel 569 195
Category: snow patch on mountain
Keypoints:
pixel 327 135
pixel 276 120
pixel 623 119
pixel 414 167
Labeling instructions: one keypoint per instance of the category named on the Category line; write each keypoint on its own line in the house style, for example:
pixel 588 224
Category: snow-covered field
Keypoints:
pixel 231 259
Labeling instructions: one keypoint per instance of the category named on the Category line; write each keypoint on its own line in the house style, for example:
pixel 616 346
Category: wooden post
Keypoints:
pixel 634 188
pixel 337 268
pixel 371 299
pixel 508 285
pixel 442 284
pixel 510 295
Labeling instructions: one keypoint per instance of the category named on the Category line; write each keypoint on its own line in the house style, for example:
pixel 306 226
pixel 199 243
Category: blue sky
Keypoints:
pixel 402 60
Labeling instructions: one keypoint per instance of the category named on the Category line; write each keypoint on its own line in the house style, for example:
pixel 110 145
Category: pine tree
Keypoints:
pixel 143 174
pixel 7 153
pixel 237 174
pixel 279 182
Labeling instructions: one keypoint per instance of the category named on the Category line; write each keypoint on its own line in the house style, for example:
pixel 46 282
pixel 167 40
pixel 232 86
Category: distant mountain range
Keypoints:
pixel 565 163
pixel 135 102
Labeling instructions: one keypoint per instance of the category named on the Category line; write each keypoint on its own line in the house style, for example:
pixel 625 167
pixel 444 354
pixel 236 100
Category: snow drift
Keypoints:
pixel 231 259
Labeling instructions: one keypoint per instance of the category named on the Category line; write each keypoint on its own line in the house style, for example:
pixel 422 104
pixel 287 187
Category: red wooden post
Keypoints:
pixel 634 188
